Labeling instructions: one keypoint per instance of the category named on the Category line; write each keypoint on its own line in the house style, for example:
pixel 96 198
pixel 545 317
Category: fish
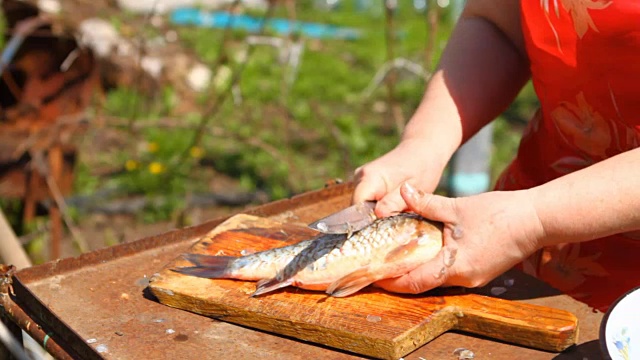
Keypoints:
pixel 338 264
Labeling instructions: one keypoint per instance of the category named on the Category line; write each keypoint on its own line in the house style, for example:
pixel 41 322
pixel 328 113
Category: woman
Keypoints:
pixel 568 205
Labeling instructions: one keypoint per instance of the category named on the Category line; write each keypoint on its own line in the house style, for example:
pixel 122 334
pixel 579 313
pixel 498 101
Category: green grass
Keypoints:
pixel 285 141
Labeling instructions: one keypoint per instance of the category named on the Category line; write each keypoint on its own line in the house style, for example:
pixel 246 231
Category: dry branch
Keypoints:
pixel 396 110
pixel 41 166
pixel 220 98
pixel 432 33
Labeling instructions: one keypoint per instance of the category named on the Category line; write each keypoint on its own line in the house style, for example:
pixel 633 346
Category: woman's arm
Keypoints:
pixel 601 200
pixel 481 71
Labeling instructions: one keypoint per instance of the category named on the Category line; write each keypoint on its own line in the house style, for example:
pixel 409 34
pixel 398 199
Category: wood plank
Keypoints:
pixel 372 322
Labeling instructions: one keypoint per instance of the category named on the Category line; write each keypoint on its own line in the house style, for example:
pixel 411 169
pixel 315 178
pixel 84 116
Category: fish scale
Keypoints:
pixel 336 263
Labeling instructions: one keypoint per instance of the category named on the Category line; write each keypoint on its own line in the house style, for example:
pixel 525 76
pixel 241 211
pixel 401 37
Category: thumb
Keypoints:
pixel 430 206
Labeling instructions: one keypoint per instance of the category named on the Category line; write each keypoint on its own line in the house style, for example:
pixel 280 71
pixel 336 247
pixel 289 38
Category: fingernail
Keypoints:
pixel 410 190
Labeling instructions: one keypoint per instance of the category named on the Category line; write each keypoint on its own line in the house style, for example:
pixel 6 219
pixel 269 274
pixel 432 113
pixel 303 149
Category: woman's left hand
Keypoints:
pixel 484 236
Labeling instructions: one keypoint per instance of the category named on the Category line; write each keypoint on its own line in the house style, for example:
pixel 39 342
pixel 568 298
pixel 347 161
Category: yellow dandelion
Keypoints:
pixel 156 168
pixel 152 147
pixel 131 165
pixel 196 152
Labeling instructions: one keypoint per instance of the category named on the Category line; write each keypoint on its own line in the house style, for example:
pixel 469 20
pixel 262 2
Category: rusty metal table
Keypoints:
pixel 96 306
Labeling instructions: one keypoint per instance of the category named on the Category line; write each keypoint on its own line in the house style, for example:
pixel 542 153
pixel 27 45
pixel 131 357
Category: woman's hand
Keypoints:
pixel 381 179
pixel 484 236
pixel 481 71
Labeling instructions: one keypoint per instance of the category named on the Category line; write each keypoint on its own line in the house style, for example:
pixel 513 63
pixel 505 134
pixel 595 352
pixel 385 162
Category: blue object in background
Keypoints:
pixel 192 16
pixel 470 170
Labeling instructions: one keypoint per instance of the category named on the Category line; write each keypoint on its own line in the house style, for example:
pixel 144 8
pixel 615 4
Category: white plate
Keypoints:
pixel 620 328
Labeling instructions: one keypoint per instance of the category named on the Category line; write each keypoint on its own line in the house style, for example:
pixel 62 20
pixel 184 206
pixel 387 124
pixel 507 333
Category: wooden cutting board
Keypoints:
pixel 372 322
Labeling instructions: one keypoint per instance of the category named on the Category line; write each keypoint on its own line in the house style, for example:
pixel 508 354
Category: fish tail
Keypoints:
pixel 207 266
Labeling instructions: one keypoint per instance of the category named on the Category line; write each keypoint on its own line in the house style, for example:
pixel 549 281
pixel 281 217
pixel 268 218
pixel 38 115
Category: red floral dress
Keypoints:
pixel 585 65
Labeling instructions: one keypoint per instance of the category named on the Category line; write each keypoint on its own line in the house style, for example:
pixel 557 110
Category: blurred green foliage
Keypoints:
pixel 287 140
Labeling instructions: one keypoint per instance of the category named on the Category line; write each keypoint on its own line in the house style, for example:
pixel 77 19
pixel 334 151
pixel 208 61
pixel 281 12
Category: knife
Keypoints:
pixel 348 220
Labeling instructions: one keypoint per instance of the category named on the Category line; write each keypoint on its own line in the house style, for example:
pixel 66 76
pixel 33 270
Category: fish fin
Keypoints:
pixel 267 285
pixel 211 267
pixel 402 251
pixel 202 272
pixel 208 260
pixel 351 283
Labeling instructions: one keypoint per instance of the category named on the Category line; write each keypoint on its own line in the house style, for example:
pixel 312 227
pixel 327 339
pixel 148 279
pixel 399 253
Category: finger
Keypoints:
pixel 358 173
pixel 428 276
pixel 368 189
pixel 371 185
pixel 391 204
pixel 434 207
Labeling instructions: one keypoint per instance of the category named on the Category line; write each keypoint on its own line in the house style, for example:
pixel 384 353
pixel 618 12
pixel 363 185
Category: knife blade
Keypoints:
pixel 348 220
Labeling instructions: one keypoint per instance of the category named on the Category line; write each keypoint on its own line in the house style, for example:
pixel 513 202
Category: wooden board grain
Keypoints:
pixel 372 322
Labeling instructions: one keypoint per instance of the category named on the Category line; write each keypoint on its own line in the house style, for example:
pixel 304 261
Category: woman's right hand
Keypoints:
pixel 481 70
pixel 410 161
